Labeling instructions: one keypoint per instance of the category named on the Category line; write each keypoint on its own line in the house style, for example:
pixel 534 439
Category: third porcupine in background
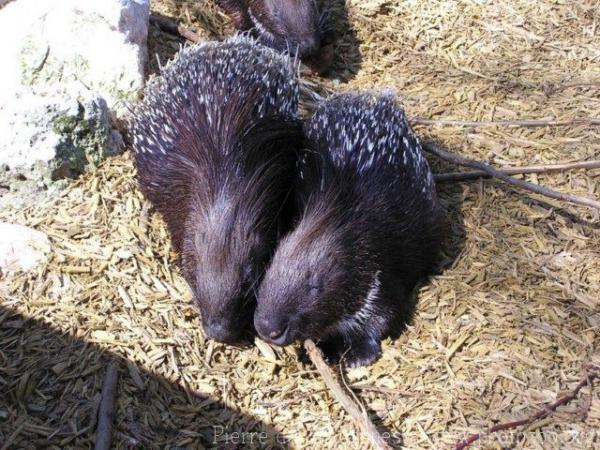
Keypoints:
pixel 215 144
pixel 294 26
pixel 371 229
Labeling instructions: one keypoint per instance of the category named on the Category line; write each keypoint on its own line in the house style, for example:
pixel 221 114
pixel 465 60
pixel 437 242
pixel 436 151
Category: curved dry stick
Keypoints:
pixel 106 410
pixel 588 380
pixel 341 395
pixel 507 123
pixel 496 173
pixel 546 168
pixel 172 27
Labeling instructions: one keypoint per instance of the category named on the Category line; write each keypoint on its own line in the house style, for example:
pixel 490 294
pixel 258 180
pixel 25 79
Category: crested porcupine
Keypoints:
pixel 294 26
pixel 215 142
pixel 370 230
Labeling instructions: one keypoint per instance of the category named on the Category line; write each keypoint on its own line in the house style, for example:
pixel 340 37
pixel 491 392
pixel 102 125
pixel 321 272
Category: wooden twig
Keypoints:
pixel 495 173
pixel 172 27
pixel 106 410
pixel 341 395
pixel 359 387
pixel 546 168
pixel 559 87
pixel 507 123
pixel 382 390
pixel 588 380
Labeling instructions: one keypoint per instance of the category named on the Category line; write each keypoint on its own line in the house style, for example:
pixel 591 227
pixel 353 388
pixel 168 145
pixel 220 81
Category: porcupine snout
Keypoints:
pixel 220 331
pixel 275 329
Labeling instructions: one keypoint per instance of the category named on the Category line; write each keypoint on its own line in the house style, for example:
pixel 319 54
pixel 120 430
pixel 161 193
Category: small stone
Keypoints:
pixel 22 248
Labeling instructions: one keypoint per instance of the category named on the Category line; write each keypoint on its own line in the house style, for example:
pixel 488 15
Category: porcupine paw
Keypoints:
pixel 356 353
pixel 363 352
pixel 332 350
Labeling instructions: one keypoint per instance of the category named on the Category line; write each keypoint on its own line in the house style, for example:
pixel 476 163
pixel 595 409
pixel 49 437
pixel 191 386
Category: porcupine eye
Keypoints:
pixel 246 277
pixel 313 283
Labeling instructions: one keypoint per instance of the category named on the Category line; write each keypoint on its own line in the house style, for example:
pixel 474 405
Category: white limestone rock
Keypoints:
pixel 46 140
pixel 68 68
pixel 74 47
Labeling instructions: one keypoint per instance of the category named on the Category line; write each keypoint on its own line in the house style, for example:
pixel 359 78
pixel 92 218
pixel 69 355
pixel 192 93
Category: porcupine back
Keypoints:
pixel 215 144
pixel 187 129
pixel 370 230
pixel 392 186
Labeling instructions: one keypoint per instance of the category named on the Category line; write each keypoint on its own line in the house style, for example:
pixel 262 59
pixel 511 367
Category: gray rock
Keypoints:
pixel 46 141
pixel 68 68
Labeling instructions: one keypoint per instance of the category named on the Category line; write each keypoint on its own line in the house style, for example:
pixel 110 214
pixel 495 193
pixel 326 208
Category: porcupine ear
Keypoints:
pixel 238 12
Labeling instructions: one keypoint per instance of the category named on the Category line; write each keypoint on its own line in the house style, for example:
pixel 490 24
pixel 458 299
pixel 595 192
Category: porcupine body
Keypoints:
pixel 215 142
pixel 371 229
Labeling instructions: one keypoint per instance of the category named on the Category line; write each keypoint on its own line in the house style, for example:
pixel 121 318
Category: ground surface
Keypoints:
pixel 509 324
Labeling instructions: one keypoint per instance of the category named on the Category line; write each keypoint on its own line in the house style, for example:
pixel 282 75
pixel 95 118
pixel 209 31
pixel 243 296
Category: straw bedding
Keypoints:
pixel 508 324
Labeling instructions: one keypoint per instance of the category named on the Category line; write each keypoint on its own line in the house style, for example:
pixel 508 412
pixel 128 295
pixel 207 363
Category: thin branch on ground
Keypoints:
pixel 382 390
pixel 559 87
pixel 174 28
pixel 507 123
pixel 587 380
pixel 496 173
pixel 290 401
pixel 545 168
pixel 106 410
pixel 357 413
pixel 359 387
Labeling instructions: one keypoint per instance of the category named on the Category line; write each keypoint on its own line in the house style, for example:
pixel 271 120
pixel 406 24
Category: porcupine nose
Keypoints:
pixel 271 330
pixel 219 331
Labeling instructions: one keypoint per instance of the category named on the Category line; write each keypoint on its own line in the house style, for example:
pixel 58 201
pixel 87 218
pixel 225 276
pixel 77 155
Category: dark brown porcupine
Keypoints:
pixel 215 143
pixel 371 229
pixel 293 26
